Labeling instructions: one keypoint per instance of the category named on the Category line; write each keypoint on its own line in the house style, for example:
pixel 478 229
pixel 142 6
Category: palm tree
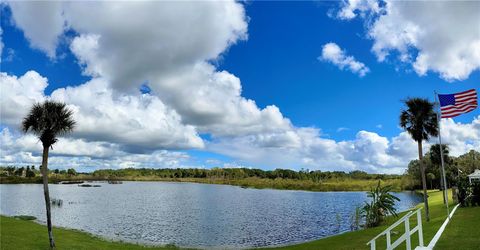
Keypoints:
pixel 420 121
pixel 48 120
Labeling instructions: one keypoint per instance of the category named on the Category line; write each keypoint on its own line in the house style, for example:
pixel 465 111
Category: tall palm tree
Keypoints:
pixel 48 120
pixel 420 121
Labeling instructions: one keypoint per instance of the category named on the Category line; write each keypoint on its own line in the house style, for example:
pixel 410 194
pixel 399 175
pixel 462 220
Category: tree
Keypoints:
pixel 431 177
pixel 29 173
pixel 19 171
pixel 420 121
pixel 71 172
pixel 48 120
pixel 468 162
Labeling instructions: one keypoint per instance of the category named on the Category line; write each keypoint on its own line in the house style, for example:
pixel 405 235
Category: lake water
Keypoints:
pixel 193 215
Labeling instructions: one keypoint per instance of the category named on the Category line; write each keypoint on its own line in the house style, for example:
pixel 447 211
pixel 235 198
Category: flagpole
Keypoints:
pixel 445 190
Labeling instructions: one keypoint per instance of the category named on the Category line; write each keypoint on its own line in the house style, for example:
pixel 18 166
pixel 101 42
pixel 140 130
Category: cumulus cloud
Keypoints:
pixel 332 53
pixel 352 8
pixel 170 47
pixel 369 151
pixel 18 94
pixel 20 149
pixel 173 57
pixel 438 36
pixel 34 17
pixel 137 122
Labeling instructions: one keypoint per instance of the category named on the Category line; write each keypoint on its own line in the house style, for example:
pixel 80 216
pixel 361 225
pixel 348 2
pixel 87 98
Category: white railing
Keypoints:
pixel 406 236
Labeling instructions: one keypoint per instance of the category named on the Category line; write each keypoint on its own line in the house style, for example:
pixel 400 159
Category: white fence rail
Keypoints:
pixel 406 236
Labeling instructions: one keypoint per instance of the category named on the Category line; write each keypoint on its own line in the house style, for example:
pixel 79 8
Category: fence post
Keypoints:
pixel 389 242
pixel 407 233
pixel 420 230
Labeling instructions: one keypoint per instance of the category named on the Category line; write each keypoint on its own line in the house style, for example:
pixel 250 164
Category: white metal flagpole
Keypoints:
pixel 439 117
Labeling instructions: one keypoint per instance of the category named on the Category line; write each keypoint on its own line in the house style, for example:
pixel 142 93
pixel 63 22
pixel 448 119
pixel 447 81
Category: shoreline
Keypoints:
pixel 333 185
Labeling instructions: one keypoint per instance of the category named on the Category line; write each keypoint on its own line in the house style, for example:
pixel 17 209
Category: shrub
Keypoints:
pixel 475 194
pixel 382 204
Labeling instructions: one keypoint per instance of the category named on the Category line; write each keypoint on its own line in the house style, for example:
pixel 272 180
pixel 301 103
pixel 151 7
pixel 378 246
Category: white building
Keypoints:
pixel 475 176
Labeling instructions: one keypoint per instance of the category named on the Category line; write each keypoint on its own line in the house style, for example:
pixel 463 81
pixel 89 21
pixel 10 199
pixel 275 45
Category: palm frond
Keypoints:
pixel 48 120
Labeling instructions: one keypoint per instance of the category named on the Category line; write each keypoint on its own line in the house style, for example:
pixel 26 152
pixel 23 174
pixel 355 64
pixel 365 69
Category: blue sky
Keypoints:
pixel 278 64
pixel 278 61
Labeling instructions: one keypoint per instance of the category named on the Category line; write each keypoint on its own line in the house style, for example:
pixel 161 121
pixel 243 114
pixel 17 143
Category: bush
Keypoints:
pixel 463 192
pixel 382 204
pixel 475 194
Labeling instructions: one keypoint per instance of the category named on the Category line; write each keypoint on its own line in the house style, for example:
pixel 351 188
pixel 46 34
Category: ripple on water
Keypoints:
pixel 193 215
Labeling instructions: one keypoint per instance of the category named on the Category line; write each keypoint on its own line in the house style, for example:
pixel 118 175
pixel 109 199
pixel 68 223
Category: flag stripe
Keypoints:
pixel 457 113
pixel 446 109
pixel 458 103
pixel 459 109
pixel 465 92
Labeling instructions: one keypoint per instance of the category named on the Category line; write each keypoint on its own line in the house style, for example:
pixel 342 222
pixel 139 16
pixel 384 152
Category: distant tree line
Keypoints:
pixel 239 173
pixel 455 167
pixel 32 171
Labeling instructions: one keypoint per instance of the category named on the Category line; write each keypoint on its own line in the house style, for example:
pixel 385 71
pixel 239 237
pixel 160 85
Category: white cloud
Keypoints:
pixel 173 58
pixel 17 94
pixel 19 149
pixel 189 94
pixel 438 36
pixel 332 53
pixel 34 17
pixel 137 122
pixel 351 8
pixel 369 151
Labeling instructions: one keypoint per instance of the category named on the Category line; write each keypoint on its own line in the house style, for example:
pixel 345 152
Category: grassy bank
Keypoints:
pixel 462 233
pixel 340 184
pixel 16 234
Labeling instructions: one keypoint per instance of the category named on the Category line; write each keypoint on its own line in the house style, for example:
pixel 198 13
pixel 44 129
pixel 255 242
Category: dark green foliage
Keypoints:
pixel 71 172
pixel 435 156
pixel 239 173
pixel 48 120
pixel 463 191
pixel 19 171
pixel 475 201
pixel 381 205
pixel 419 119
pixel 29 173
pixel 468 194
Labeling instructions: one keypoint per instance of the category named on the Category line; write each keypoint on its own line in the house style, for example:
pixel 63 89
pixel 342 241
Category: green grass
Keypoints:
pixel 16 234
pixel 462 233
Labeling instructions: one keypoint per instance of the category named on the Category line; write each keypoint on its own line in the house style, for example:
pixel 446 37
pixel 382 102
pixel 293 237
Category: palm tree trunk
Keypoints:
pixel 441 185
pixel 47 195
pixel 424 181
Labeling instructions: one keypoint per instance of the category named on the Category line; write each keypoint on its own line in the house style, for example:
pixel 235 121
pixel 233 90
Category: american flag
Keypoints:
pixel 456 104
